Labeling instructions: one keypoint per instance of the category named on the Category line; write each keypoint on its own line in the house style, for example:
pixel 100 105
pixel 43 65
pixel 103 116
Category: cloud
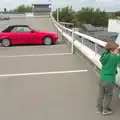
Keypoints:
pixel 109 5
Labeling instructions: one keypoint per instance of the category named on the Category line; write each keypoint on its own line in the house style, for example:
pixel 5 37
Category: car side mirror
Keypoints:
pixel 32 31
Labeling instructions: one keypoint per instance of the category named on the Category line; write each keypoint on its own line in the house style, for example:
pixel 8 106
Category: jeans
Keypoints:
pixel 105 95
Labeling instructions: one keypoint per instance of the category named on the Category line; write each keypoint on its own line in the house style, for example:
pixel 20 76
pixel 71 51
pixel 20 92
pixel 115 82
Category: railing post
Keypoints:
pixel 95 49
pixel 56 30
pixel 72 48
pixel 57 14
pixel 95 67
pixel 82 44
pixel 82 40
pixel 61 34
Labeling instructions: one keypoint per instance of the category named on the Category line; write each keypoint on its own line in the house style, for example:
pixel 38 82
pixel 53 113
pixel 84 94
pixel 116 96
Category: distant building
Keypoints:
pixel 111 14
pixel 98 32
pixel 41 9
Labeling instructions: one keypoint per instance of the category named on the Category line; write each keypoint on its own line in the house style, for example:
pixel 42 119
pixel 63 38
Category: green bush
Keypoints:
pixel 83 16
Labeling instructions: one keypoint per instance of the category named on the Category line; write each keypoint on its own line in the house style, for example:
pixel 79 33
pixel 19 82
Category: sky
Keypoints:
pixel 107 5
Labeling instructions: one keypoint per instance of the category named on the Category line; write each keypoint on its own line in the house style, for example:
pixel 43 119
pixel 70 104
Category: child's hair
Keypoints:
pixel 111 46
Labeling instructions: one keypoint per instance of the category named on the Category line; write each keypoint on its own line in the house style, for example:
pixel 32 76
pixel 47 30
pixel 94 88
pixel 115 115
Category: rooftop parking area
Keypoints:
pixel 47 82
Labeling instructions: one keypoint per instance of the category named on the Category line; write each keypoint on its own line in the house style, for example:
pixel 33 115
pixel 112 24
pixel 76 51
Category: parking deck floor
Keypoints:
pixel 47 83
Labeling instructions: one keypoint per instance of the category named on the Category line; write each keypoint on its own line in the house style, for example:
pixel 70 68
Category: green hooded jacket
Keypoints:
pixel 109 67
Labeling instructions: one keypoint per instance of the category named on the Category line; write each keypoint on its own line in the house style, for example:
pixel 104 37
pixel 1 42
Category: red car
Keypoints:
pixel 24 34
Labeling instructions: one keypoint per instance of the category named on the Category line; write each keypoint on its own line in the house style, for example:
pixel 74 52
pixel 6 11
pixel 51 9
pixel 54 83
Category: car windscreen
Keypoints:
pixel 36 29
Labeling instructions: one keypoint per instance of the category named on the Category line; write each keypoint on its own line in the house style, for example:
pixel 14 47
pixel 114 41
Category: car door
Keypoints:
pixel 22 35
pixel 35 38
pixel 30 36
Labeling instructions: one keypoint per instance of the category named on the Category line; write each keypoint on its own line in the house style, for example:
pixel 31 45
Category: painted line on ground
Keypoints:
pixel 58 45
pixel 36 55
pixel 43 73
pixel 51 46
pixel 39 46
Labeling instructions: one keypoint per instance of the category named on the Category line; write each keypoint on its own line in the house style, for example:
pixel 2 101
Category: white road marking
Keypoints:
pixel 51 46
pixel 42 46
pixel 43 73
pixel 39 46
pixel 35 55
pixel 63 45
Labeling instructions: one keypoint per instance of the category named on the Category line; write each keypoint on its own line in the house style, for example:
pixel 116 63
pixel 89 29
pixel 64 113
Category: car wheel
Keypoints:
pixel 47 40
pixel 6 42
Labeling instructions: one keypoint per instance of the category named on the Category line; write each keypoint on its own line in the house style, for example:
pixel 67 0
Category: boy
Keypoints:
pixel 109 60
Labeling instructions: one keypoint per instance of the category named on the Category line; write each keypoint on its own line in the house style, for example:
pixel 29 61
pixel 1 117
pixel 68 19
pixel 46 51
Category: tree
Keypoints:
pixel 92 16
pixel 66 14
pixel 23 8
pixel 84 15
pixel 117 13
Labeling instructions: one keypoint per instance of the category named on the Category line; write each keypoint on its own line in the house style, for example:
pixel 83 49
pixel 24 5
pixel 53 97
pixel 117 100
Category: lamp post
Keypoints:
pixel 57 14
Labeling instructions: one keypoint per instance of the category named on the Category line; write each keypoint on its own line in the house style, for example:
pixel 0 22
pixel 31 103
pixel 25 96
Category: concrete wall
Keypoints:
pixel 12 12
pixel 114 25
pixel 22 14
pixel 42 8
pixel 41 13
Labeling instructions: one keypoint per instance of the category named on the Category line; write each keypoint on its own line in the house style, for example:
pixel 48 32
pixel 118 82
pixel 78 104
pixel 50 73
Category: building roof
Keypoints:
pixel 99 33
pixel 89 27
pixel 41 4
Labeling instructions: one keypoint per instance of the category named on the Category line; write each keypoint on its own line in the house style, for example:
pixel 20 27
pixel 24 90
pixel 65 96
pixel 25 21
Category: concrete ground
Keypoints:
pixel 43 24
pixel 48 83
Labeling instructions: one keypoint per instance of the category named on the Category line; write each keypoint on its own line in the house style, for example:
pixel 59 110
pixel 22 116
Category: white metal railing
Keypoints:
pixel 82 43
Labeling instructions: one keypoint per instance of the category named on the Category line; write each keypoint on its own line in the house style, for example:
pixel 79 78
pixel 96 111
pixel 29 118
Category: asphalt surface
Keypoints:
pixel 56 92
pixel 43 24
